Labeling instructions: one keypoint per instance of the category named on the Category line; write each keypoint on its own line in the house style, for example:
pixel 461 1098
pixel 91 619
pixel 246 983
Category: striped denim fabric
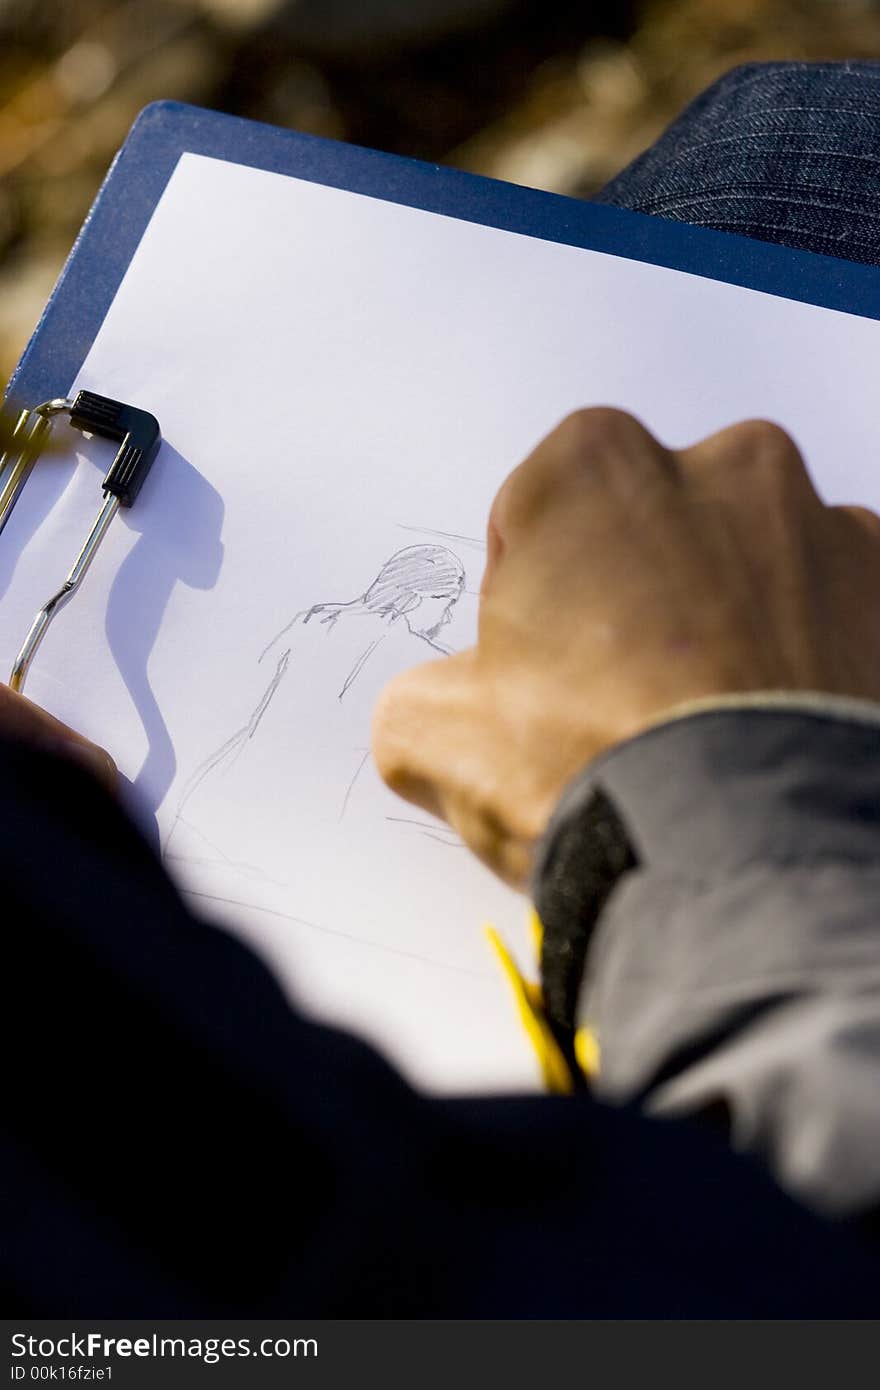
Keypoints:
pixel 785 152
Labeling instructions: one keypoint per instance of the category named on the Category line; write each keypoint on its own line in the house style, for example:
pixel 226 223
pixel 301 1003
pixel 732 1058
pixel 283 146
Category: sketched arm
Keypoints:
pixel 359 665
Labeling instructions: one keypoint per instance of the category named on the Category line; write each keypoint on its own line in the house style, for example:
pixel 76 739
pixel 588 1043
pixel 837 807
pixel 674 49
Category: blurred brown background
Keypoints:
pixel 558 94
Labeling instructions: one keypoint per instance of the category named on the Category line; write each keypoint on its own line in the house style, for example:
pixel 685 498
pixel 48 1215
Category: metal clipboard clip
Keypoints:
pixel 139 437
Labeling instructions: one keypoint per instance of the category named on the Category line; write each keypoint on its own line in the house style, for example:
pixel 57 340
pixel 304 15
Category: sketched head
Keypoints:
pixel 420 584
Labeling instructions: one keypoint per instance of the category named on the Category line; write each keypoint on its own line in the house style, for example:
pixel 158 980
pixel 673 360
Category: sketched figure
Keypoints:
pixel 414 593
pixel 420 585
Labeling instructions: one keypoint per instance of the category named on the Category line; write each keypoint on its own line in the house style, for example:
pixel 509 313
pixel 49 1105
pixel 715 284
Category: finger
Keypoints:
pixel 23 721
pixel 600 455
pixel 420 724
pixel 494 551
pixel 437 745
pixel 753 458
pixel 507 854
pixel 856 535
pixel 865 520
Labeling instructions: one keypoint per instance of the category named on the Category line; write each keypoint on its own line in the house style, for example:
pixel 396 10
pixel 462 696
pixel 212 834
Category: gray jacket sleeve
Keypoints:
pixel 729 956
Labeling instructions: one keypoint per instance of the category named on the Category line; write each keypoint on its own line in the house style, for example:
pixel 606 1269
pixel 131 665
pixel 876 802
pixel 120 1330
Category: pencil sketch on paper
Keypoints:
pixel 420 585
pixel 414 593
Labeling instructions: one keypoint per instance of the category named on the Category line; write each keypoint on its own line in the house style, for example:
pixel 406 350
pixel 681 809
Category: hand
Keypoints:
pixel 22 721
pixel 623 579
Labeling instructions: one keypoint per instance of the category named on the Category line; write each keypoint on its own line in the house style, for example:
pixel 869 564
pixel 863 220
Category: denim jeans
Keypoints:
pixel 786 152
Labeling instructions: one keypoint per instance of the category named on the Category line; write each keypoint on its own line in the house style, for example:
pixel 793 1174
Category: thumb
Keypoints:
pixel 421 727
pixel 435 743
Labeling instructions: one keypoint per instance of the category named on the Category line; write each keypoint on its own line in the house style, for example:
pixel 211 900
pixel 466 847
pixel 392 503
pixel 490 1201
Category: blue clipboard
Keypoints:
pixel 166 130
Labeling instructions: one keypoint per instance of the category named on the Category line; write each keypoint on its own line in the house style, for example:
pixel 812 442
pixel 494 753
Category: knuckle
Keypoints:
pixel 603 445
pixel 615 455
pixel 773 459
pixel 859 538
pixel 768 445
pixel 586 447
pixel 598 426
pixel 860 516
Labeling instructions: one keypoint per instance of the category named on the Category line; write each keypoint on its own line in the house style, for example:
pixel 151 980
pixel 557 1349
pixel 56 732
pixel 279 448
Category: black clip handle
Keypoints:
pixel 138 432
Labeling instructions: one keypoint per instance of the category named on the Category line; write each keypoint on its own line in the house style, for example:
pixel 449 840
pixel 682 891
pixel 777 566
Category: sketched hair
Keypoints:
pixel 412 574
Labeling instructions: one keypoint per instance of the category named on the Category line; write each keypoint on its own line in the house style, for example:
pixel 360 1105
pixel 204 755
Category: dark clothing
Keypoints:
pixel 179 1141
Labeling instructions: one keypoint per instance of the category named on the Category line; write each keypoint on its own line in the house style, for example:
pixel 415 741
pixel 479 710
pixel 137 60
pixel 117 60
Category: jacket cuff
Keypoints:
pixel 715 788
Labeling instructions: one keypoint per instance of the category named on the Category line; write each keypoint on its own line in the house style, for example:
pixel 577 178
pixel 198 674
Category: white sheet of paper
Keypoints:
pixel 340 379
